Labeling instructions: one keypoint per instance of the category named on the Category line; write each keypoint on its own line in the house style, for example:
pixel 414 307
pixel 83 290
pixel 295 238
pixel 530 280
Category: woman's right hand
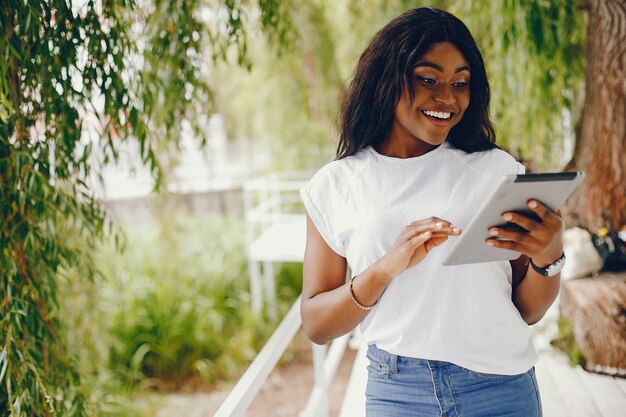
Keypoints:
pixel 413 244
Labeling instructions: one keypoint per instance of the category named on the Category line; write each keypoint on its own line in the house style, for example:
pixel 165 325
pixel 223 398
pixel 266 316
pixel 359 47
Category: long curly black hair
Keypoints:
pixel 385 70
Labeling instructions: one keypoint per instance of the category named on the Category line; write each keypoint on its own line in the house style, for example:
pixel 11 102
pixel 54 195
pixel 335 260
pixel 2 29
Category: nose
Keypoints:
pixel 444 94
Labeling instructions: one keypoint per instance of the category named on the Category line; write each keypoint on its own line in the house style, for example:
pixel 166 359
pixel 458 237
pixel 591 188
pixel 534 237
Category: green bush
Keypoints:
pixel 169 311
pixel 179 303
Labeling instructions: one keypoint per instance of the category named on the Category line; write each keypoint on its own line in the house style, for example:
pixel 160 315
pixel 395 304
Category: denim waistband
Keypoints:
pixel 380 355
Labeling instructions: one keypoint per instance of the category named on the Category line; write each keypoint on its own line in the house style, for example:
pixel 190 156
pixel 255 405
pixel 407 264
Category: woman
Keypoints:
pixel 416 159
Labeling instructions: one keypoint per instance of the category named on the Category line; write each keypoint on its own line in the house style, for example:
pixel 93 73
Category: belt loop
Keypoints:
pixel 393 360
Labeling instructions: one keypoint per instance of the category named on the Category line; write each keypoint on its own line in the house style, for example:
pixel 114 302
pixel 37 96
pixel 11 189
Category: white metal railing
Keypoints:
pixel 277 233
pixel 325 366
pixel 266 200
pixel 275 223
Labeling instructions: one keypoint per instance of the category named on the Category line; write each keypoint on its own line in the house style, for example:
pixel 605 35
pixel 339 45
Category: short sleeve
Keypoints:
pixel 319 197
pixel 499 163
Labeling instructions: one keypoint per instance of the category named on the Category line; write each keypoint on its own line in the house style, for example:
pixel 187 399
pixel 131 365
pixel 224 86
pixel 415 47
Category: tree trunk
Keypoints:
pixel 596 308
pixel 601 142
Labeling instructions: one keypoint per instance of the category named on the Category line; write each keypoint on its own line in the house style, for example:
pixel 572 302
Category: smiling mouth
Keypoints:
pixel 438 115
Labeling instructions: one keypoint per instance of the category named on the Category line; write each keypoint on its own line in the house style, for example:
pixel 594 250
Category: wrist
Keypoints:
pixel 546 261
pixel 380 272
pixel 551 269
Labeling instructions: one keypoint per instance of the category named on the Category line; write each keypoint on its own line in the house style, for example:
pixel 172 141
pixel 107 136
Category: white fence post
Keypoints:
pixel 325 367
pixel 250 383
pixel 270 288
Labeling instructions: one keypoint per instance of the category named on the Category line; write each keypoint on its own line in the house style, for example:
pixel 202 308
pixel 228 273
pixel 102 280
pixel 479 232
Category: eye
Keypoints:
pixel 460 84
pixel 426 80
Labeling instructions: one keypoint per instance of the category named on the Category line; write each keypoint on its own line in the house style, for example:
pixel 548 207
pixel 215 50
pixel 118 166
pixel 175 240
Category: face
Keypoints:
pixel 442 94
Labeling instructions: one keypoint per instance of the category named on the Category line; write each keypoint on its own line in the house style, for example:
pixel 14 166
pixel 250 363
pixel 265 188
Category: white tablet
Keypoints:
pixel 511 194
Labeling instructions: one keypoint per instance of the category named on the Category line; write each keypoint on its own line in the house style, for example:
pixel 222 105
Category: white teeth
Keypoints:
pixel 437 114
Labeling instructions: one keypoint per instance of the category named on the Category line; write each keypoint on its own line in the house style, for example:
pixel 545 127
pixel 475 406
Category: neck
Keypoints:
pixel 404 150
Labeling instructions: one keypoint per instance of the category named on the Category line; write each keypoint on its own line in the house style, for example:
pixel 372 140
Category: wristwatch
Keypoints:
pixel 552 269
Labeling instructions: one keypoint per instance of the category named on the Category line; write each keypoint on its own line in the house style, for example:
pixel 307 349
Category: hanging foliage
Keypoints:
pixel 534 53
pixel 77 80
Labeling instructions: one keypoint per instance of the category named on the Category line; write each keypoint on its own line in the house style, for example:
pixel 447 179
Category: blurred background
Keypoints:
pixel 145 146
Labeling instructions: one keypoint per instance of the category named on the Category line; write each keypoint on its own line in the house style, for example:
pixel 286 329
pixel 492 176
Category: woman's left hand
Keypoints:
pixel 540 240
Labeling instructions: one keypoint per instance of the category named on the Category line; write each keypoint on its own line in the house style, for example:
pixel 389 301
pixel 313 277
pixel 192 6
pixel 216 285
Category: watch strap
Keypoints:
pixel 550 270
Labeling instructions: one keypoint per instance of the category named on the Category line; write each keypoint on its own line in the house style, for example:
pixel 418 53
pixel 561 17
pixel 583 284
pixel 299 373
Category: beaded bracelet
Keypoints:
pixel 359 305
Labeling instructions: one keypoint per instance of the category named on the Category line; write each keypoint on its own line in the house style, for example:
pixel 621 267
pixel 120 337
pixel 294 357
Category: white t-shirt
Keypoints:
pixel 461 314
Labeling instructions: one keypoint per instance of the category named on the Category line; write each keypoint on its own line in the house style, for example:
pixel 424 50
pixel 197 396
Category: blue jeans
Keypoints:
pixel 398 386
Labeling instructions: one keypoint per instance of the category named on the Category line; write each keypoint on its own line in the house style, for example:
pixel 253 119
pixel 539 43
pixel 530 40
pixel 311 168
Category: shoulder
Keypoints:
pixel 338 176
pixel 491 164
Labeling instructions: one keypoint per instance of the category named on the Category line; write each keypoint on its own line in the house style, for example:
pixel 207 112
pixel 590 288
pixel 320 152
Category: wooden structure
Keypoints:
pixel 570 391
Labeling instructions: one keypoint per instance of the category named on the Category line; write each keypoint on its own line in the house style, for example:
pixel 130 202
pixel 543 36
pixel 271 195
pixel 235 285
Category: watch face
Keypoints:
pixel 556 267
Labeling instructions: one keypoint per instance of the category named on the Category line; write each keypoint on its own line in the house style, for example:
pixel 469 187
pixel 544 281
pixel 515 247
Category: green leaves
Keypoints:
pixel 534 52
pixel 76 81
pixel 132 71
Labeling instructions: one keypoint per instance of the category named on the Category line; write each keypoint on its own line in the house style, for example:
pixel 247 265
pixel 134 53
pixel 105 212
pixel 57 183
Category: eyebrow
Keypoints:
pixel 438 68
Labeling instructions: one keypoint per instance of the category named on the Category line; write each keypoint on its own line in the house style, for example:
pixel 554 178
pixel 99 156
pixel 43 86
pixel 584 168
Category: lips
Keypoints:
pixel 440 117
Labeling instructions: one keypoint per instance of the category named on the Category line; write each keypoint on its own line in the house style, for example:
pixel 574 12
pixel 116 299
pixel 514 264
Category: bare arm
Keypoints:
pixel 542 242
pixel 535 294
pixel 327 308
